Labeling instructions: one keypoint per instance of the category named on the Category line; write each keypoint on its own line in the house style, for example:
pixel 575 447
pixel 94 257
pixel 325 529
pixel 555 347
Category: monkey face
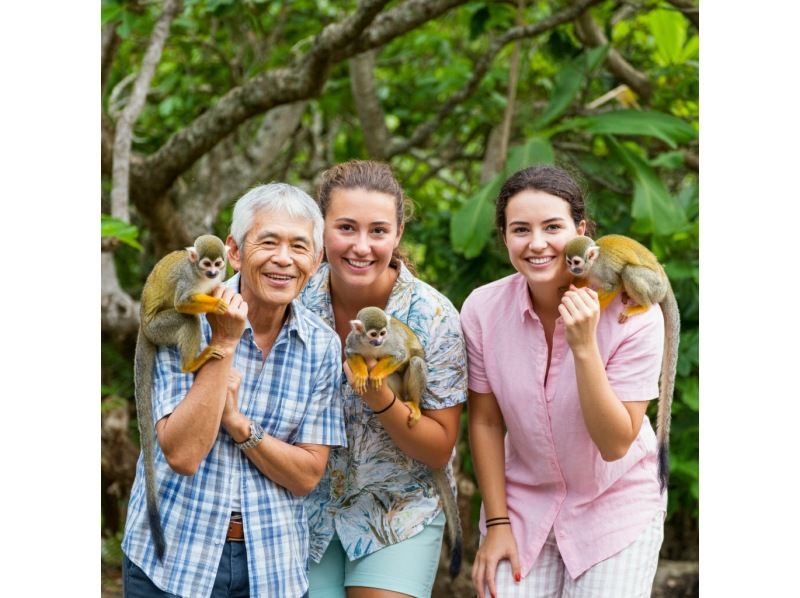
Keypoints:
pixel 576 265
pixel 376 337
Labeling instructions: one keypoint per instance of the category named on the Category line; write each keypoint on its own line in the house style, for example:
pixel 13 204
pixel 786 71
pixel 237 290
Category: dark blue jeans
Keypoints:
pixel 231 581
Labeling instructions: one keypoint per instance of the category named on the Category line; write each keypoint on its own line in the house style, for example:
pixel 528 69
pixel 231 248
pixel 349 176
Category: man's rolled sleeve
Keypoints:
pixel 170 384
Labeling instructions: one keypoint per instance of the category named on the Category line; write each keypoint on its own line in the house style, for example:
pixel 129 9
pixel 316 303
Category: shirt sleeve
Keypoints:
pixel 634 367
pixel 324 420
pixel 170 384
pixel 446 359
pixel 473 336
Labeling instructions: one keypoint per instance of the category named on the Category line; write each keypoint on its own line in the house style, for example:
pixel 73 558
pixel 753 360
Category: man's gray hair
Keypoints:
pixel 276 197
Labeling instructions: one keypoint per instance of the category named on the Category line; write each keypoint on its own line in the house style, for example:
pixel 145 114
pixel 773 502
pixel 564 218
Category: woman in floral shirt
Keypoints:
pixel 376 519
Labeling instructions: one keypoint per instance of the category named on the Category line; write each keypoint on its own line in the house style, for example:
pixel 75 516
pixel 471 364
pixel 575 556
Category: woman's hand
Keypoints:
pixel 580 310
pixel 375 399
pixel 498 545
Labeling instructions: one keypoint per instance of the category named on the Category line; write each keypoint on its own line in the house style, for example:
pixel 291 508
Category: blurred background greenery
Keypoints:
pixel 455 95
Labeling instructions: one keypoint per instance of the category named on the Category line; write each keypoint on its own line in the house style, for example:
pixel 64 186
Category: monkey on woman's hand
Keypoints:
pixel 399 358
pixel 614 264
pixel 174 294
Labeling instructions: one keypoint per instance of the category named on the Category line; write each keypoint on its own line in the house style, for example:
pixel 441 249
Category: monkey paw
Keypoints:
pixel 623 317
pixel 221 307
pixel 376 382
pixel 415 414
pixel 359 384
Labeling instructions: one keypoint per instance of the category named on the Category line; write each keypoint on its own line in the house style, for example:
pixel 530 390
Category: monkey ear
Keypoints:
pixel 357 326
pixel 592 253
pixel 192 253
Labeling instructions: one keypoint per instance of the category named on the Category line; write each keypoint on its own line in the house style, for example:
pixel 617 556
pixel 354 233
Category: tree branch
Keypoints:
pixel 301 80
pixel 124 128
pixel 482 66
pixel 592 35
pixel 689 9
pixel 110 43
pixel 370 113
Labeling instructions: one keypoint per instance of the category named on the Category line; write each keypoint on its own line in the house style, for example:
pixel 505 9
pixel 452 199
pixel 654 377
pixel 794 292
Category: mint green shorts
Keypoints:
pixel 408 567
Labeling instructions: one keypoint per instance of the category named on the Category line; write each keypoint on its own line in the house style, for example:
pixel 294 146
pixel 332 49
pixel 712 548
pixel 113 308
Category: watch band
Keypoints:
pixel 256 436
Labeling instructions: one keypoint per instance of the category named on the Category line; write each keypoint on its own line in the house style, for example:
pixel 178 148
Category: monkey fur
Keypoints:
pixel 175 292
pixel 401 362
pixel 615 263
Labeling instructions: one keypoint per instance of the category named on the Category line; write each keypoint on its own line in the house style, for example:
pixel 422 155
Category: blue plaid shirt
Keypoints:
pixel 294 396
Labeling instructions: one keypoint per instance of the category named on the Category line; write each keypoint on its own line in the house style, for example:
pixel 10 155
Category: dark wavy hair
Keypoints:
pixel 550 179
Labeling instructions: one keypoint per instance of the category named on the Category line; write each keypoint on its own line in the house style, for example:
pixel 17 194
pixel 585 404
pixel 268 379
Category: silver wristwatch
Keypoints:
pixel 256 436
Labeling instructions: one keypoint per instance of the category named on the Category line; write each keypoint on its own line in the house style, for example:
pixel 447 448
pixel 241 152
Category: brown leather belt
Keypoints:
pixel 235 528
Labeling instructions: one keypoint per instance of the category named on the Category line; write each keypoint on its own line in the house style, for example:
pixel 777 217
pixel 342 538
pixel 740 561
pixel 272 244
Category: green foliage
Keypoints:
pixel 118 229
pixel 631 162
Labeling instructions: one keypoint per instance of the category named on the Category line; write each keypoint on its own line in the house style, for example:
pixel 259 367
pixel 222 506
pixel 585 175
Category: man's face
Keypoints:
pixel 276 259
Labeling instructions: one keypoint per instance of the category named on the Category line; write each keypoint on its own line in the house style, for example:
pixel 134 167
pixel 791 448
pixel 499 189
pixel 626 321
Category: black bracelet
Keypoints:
pixel 498 523
pixel 497 519
pixel 394 398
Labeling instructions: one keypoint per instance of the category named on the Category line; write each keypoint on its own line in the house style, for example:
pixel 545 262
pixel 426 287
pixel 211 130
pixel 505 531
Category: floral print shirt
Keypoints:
pixel 372 494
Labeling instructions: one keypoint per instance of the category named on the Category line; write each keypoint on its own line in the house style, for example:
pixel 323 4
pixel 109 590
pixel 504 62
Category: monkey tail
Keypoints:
pixel 450 507
pixel 669 366
pixel 143 379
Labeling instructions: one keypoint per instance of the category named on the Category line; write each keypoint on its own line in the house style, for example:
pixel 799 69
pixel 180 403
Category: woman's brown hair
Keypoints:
pixel 372 176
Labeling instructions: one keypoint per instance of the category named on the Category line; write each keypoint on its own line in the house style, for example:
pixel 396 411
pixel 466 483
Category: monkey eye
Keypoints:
pixel 218 263
pixel 383 332
pixel 372 334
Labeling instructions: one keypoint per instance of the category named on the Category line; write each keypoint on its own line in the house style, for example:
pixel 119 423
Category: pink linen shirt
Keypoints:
pixel 555 475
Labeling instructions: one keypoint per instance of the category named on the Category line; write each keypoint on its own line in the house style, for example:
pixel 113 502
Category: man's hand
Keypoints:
pixel 227 328
pixel 233 420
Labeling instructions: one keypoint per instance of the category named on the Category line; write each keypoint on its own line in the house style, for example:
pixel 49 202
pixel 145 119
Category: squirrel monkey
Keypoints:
pixel 617 263
pixel 175 292
pixel 401 362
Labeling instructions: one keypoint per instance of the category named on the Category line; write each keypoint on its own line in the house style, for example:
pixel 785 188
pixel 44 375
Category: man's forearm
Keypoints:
pixel 187 435
pixel 298 468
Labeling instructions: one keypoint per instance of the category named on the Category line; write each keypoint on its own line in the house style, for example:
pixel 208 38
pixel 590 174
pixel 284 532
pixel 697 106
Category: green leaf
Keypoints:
pixel 670 129
pixel 568 83
pixel 472 224
pixel 126 233
pixel 690 393
pixel 669 160
pixel 536 151
pixel 669 31
pixel 652 202
pixel 595 56
pixel 691 50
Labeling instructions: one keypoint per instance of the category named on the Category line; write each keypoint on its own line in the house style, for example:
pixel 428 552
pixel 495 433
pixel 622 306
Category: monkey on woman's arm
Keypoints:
pixel 614 264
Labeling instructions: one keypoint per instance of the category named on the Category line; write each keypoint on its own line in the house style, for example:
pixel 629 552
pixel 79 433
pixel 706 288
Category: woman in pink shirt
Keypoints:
pixel 565 458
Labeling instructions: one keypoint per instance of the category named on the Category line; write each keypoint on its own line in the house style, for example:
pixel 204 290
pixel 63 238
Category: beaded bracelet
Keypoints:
pixel 394 398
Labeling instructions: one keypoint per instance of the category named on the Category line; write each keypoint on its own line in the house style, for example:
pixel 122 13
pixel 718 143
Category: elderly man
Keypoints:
pixel 247 437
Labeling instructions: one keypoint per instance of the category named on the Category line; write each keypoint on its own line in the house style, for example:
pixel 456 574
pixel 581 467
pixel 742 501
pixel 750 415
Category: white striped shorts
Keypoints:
pixel 627 574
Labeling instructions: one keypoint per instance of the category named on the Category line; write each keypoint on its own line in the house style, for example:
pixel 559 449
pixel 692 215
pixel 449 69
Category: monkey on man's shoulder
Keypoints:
pixel 176 291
